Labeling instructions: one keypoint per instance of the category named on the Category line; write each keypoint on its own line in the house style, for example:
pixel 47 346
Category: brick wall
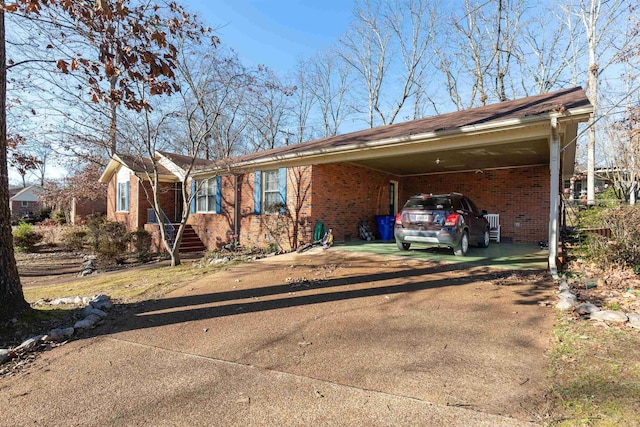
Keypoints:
pixel 345 194
pixel 128 218
pixel 342 194
pixel 85 208
pixel 136 217
pixel 519 195
pixel 18 211
pixel 216 230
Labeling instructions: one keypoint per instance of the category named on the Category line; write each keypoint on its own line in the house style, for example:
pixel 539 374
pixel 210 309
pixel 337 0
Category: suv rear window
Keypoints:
pixel 429 203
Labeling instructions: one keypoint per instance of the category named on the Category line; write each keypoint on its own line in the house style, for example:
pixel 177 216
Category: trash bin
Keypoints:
pixel 385 226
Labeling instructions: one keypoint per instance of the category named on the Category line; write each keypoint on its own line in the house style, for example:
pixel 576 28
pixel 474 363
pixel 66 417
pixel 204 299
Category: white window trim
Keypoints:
pixel 24 203
pixel 265 206
pixel 121 191
pixel 199 187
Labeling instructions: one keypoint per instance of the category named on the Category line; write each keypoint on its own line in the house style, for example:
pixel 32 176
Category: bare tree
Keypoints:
pixel 550 53
pixel 597 17
pixel 331 82
pixel 268 109
pixel 303 100
pixel 387 46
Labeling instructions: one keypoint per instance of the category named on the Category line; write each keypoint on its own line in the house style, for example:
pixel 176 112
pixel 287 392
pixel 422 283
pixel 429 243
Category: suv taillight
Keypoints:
pixel 399 218
pixel 452 219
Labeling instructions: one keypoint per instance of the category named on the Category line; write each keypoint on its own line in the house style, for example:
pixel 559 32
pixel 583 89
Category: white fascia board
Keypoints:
pixel 171 166
pixel 112 167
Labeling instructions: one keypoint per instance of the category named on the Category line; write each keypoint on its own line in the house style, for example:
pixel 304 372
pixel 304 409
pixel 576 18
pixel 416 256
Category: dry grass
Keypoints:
pixel 596 374
pixel 129 285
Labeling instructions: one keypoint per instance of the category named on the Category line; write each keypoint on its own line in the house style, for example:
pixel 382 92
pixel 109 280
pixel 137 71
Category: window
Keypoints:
pixel 24 203
pixel 206 197
pixel 270 191
pixel 123 197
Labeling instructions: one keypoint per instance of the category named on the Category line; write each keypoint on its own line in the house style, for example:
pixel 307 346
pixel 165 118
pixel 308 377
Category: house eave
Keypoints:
pixel 533 126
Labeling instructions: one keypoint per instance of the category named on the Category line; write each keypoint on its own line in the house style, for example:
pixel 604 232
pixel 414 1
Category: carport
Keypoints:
pixel 521 257
pixel 509 157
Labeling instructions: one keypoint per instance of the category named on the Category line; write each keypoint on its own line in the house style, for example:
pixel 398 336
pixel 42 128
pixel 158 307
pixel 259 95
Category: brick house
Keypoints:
pixel 510 157
pixel 25 202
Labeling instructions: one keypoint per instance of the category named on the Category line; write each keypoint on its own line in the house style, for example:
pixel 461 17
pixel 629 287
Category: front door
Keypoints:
pixel 393 198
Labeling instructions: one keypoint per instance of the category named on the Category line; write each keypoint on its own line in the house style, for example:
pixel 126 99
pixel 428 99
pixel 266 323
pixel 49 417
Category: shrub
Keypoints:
pixel 623 248
pixel 51 231
pixel 25 238
pixel 59 216
pixel 141 240
pixel 112 240
pixel 74 239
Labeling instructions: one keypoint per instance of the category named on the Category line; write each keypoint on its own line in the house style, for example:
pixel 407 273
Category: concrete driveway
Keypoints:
pixel 322 338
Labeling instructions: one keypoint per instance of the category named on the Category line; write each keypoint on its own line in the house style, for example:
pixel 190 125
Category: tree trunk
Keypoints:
pixel 11 298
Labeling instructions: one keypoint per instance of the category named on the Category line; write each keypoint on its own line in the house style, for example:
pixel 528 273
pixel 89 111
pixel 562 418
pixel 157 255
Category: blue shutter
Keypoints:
pixel 257 192
pixel 126 195
pixel 218 194
pixel 282 187
pixel 193 195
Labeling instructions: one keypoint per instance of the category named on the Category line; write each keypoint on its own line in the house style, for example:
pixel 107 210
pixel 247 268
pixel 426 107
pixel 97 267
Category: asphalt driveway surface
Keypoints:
pixel 324 338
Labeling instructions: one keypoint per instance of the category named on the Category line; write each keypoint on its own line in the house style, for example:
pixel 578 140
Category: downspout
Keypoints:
pixel 554 169
pixel 236 209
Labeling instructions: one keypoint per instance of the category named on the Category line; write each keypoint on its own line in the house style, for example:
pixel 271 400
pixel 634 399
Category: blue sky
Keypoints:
pixel 275 33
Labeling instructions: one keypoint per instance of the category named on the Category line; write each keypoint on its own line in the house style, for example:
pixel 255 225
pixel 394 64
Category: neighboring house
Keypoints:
pixel 81 209
pixel 25 202
pixel 506 156
pixel 575 188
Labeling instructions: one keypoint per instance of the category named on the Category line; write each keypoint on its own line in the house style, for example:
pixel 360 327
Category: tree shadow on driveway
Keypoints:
pixel 178 309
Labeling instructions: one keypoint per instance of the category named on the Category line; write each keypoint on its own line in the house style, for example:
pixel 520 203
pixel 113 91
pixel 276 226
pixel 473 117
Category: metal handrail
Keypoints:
pixel 170 230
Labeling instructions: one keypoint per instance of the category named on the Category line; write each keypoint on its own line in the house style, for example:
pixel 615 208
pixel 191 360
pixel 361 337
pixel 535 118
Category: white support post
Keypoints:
pixel 554 196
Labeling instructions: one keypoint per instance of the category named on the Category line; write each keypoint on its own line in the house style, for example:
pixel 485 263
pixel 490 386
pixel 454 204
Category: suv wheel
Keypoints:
pixel 463 245
pixel 485 239
pixel 403 246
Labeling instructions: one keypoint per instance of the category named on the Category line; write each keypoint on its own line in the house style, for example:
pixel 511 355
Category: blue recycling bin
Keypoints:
pixel 385 226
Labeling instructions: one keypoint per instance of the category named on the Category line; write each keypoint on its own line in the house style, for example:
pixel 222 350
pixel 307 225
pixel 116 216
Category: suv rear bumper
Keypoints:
pixel 443 237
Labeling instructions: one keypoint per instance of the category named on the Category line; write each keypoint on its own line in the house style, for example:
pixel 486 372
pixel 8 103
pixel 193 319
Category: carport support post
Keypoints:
pixel 554 202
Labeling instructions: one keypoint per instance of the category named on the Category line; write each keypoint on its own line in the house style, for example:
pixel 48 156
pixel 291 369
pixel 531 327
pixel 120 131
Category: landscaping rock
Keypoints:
pixel 66 300
pixel 610 316
pixel 29 344
pixel 564 285
pixel 84 324
pixel 101 297
pixel 565 304
pixel 568 295
pixel 634 320
pixel 86 272
pixel 59 334
pixel 98 312
pixel 586 308
pixel 93 318
pixel 4 355
pixel 102 305
pixel 86 311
